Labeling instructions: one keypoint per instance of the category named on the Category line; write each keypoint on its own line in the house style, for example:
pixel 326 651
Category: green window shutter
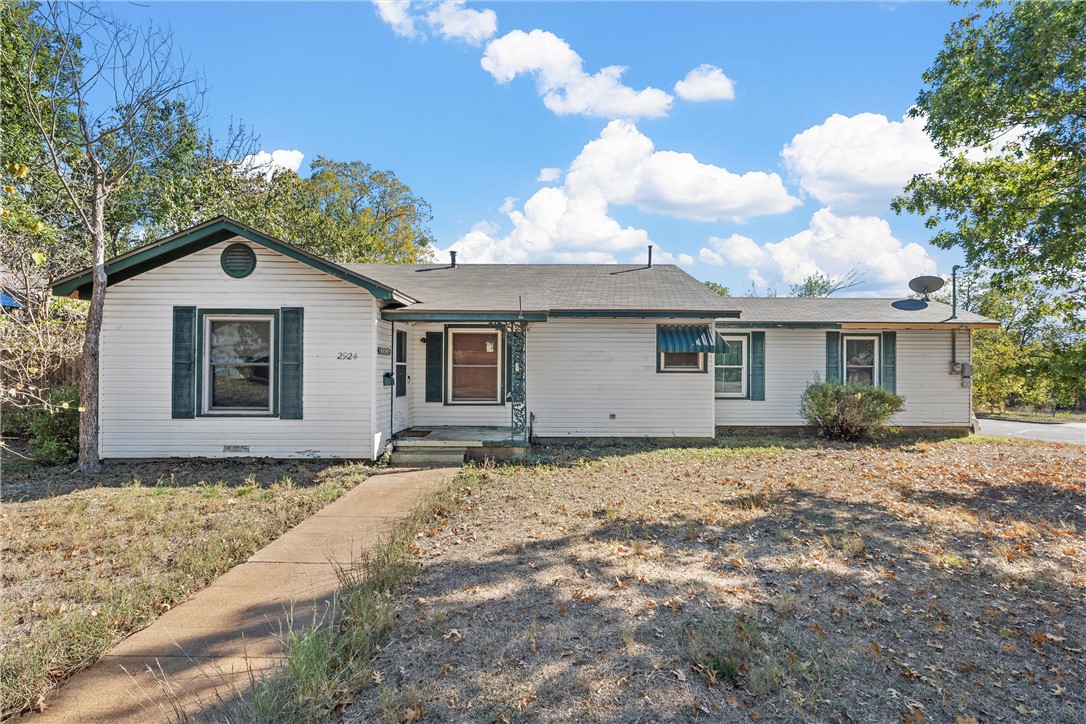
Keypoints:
pixel 757 365
pixel 888 376
pixel 290 363
pixel 834 373
pixel 434 354
pixel 183 403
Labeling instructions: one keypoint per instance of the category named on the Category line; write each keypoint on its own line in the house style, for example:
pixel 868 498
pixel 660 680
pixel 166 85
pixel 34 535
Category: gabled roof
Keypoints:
pixel 201 236
pixel 548 290
pixel 848 311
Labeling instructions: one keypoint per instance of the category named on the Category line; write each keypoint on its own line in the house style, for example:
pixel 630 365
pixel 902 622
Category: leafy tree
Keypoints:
pixel 718 288
pixel 1011 80
pixel 1035 358
pixel 123 86
pixel 345 211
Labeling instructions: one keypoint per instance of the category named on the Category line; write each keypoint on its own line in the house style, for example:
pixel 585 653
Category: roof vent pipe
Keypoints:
pixel 452 255
pixel 650 256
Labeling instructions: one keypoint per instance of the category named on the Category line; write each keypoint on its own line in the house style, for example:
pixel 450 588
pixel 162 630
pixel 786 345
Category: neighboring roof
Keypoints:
pixel 553 290
pixel 200 237
pixel 851 311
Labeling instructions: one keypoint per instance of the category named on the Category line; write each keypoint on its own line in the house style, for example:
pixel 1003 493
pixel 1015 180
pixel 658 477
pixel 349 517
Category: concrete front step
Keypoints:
pixel 440 456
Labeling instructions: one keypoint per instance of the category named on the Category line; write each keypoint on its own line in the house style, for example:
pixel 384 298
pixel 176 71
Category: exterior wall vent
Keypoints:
pixel 238 260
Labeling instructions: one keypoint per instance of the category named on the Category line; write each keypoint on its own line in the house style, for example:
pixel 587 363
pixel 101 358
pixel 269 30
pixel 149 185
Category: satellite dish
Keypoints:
pixel 926 285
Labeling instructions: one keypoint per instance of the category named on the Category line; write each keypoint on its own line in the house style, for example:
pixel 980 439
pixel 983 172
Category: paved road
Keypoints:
pixel 1063 432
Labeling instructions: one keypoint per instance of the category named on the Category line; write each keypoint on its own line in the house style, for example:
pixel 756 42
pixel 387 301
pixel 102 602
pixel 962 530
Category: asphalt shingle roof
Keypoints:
pixel 848 310
pixel 547 287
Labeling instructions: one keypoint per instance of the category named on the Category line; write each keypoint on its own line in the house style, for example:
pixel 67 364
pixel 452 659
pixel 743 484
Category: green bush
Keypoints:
pixel 54 430
pixel 848 412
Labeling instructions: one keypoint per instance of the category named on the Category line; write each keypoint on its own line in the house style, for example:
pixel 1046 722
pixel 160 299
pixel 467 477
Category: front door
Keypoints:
pixel 400 412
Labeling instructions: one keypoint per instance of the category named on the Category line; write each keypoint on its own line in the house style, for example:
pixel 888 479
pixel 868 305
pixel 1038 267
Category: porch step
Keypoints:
pixel 437 456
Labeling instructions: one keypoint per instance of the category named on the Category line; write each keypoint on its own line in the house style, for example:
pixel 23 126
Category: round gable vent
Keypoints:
pixel 238 260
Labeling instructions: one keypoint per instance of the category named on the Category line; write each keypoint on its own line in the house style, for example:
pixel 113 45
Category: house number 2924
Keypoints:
pixel 347 355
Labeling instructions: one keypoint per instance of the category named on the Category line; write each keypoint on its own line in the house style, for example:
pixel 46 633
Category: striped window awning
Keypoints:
pixel 688 338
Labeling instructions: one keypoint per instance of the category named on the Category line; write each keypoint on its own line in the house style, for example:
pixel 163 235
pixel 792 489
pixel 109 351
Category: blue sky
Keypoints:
pixel 750 143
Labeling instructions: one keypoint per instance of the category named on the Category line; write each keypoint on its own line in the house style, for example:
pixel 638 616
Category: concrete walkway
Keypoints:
pixel 207 650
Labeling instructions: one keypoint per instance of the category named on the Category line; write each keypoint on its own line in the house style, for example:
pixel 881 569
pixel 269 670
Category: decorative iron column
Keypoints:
pixel 516 336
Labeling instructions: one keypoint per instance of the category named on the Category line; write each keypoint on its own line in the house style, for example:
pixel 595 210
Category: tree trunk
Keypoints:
pixel 89 460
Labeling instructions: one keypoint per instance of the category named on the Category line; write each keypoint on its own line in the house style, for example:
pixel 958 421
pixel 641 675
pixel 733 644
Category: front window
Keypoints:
pixel 861 360
pixel 475 366
pixel 731 366
pixel 238 363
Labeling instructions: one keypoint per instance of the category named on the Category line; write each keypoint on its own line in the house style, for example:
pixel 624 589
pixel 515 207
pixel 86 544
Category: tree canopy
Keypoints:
pixel 1005 103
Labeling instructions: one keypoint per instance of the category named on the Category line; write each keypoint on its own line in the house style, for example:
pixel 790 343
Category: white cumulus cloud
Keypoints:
pixel 705 83
pixel 269 163
pixel 831 245
pixel 624 164
pixel 397 13
pixel 857 159
pixel 622 167
pixel 562 81
pixel 453 21
pixel 546 175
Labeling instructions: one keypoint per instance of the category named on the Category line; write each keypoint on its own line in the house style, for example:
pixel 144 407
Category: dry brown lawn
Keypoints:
pixel 770 579
pixel 88 560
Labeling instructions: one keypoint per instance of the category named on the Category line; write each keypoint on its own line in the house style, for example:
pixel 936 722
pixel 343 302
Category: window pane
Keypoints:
pixel 860 376
pixel 859 352
pixel 240 341
pixel 729 352
pixel 401 380
pixel 401 346
pixel 475 349
pixel 240 387
pixel 681 360
pixel 729 381
pixel 475 383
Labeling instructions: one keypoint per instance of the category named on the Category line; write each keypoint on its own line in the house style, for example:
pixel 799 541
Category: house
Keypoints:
pixel 223 341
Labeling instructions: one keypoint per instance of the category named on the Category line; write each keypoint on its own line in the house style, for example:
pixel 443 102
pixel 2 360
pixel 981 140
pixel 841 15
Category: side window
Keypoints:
pixel 681 361
pixel 238 363
pixel 731 366
pixel 683 348
pixel 401 364
pixel 861 358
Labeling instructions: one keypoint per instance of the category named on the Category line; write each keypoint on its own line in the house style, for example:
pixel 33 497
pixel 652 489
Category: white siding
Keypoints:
pixel 382 418
pixel 932 395
pixel 793 357
pixel 136 361
pixel 582 371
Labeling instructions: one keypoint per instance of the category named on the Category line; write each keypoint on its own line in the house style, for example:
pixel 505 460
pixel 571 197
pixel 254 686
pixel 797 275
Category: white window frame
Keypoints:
pixel 206 371
pixel 876 340
pixel 451 334
pixel 665 367
pixel 744 365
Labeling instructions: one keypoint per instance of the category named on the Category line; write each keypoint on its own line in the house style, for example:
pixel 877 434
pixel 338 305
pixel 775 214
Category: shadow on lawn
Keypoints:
pixel 27 482
pixel 812 608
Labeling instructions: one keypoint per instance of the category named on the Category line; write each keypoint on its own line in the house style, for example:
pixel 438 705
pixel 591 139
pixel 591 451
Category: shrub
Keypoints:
pixel 54 427
pixel 847 412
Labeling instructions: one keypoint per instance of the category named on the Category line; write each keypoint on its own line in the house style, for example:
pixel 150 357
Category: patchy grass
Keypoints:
pixel 768 579
pixel 327 664
pixel 88 560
